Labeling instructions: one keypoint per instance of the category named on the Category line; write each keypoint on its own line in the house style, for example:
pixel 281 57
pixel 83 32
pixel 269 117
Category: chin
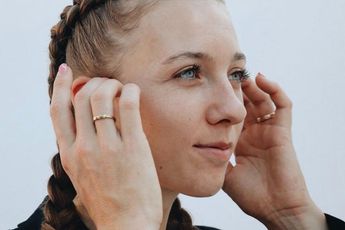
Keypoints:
pixel 203 193
pixel 204 188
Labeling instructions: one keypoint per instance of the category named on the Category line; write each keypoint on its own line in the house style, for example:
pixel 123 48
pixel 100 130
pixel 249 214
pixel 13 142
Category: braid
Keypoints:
pixel 63 31
pixel 83 43
pixel 179 218
pixel 59 209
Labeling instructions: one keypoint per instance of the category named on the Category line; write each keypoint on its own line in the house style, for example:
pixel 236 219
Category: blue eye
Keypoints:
pixel 189 73
pixel 239 76
pixel 192 73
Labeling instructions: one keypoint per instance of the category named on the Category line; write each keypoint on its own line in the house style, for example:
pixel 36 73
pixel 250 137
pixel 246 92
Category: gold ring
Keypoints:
pixel 103 116
pixel 265 117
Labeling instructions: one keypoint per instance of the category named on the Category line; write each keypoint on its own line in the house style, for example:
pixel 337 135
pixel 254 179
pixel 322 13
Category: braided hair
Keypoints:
pixel 87 37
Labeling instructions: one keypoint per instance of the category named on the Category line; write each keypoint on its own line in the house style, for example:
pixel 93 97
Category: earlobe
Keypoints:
pixel 77 84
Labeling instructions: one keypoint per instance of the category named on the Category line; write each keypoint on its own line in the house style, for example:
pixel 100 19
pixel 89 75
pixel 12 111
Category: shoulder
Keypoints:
pixel 34 221
pixel 334 223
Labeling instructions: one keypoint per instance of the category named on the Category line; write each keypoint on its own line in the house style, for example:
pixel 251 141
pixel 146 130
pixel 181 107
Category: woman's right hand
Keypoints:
pixel 112 170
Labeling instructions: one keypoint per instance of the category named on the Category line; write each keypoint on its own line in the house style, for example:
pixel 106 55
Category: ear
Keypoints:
pixel 77 84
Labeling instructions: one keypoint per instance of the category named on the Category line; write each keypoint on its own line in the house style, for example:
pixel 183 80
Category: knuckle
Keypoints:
pixel 114 82
pixel 289 103
pixel 117 85
pixel 65 159
pixel 65 163
pixel 276 86
pixel 84 94
pixel 83 149
pixel 99 96
pixel 59 83
pixel 129 104
pixel 105 91
pixel 129 99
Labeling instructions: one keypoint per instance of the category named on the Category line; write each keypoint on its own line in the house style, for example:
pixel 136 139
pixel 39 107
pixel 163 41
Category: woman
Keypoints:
pixel 152 102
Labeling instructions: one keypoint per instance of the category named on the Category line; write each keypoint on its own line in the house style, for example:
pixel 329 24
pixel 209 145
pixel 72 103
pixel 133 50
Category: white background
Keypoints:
pixel 300 44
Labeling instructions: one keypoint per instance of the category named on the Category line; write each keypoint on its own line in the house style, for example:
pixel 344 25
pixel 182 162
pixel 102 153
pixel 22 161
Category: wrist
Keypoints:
pixel 130 222
pixel 310 217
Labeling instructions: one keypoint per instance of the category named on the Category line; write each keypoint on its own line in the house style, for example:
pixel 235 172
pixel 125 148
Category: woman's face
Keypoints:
pixel 183 110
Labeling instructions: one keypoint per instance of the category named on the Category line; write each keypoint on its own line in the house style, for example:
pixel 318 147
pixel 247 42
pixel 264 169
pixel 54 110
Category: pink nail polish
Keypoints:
pixel 63 68
pixel 260 74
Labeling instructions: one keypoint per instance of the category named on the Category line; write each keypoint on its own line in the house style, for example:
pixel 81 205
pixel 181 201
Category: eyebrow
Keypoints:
pixel 203 56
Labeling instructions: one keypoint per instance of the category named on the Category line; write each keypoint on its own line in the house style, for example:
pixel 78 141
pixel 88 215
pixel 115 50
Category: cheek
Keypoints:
pixel 169 123
pixel 237 132
pixel 164 118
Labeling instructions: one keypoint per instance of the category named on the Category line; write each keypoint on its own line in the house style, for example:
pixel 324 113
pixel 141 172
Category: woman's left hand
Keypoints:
pixel 266 181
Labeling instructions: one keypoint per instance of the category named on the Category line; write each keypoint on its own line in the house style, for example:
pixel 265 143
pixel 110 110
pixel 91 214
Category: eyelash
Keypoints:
pixel 244 74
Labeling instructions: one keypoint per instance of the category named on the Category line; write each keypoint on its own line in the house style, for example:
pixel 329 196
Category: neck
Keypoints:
pixel 168 200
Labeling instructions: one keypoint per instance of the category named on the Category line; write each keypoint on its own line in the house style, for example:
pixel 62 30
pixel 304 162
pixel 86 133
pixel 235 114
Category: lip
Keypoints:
pixel 217 151
pixel 217 145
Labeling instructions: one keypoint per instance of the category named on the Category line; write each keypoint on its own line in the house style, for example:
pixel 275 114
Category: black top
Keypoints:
pixel 35 220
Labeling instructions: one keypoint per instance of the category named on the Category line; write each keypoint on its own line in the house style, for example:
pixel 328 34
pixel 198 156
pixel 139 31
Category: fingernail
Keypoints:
pixel 63 68
pixel 260 74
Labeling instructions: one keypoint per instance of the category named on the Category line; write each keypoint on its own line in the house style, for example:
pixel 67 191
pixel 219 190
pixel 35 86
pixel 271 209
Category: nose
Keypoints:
pixel 225 104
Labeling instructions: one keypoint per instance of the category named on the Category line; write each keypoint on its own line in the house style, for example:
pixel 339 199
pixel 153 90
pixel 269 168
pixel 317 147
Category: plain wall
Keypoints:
pixel 300 44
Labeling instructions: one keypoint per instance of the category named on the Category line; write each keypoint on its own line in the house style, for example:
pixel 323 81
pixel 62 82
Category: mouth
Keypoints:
pixel 219 152
pixel 216 145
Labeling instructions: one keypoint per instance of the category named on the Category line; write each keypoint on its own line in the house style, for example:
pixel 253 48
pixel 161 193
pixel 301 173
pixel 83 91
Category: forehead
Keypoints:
pixel 172 26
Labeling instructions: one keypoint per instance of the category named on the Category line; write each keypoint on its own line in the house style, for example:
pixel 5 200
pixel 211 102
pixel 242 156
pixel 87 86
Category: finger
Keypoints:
pixel 261 100
pixel 252 111
pixel 246 100
pixel 102 102
pixel 250 108
pixel 83 112
pixel 131 126
pixel 61 108
pixel 279 98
